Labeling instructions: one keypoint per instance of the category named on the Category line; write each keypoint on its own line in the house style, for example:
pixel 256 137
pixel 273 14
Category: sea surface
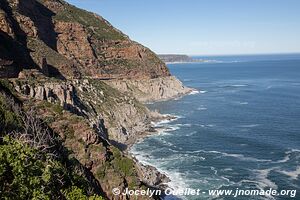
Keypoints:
pixel 241 130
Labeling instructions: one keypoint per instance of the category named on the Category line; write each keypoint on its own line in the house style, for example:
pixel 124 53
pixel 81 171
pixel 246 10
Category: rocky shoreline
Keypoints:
pixel 149 174
pixel 151 91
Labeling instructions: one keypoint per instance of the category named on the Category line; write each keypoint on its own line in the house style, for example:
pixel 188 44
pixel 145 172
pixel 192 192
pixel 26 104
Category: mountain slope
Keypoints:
pixel 72 41
pixel 84 80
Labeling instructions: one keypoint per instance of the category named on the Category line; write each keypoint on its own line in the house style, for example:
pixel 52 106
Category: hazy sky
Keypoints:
pixel 202 27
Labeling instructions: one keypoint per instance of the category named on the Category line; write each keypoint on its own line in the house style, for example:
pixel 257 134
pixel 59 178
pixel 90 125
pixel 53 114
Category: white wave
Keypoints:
pixel 227 169
pixel 285 159
pixel 167 143
pixel 293 150
pixel 288 155
pixel 249 125
pixel 291 174
pixel 170 118
pixel 181 180
pixel 239 156
pixel 166 129
pixel 178 180
pixel 197 92
pixel 210 125
pixel 261 181
pixel 191 133
pixel 184 125
pixel 262 177
pixel 162 132
pixel 243 103
pixel 259 185
pixel 172 128
pixel 201 108
pixel 239 85
pixel 222 177
pixel 141 156
pixel 194 92
pixel 206 125
pixel 156 124
pixel 179 158
pixel 245 158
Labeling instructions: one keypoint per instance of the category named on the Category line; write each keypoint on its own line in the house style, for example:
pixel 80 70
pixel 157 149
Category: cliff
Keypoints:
pixel 85 81
pixel 150 90
pixel 118 117
pixel 72 41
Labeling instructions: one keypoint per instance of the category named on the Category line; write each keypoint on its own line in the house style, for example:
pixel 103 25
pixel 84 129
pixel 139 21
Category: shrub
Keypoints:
pixel 124 164
pixel 9 120
pixel 26 173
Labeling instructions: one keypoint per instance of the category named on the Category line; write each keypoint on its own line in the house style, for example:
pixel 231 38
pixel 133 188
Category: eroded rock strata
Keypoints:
pixel 149 90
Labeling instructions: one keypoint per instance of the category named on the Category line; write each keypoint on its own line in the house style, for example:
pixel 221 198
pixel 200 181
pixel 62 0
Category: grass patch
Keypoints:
pixel 124 164
pixel 97 27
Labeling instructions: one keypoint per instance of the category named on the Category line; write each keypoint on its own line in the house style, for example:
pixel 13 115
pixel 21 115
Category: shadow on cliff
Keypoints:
pixel 9 67
pixel 120 146
pixel 15 48
pixel 42 19
pixel 54 72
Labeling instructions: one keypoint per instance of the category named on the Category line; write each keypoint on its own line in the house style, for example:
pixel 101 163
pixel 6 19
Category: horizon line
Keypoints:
pixel 237 54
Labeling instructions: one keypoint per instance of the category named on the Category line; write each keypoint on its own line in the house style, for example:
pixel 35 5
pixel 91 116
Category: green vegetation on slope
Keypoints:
pixel 27 172
pixel 97 26
pixel 9 121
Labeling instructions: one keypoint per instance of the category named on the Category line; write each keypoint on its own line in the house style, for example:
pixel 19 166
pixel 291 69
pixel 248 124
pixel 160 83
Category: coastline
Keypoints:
pixel 192 62
pixel 148 173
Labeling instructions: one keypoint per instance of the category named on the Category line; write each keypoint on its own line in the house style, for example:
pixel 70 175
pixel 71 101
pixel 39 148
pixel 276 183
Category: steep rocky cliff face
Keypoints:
pixel 84 78
pixel 149 90
pixel 72 41
pixel 118 117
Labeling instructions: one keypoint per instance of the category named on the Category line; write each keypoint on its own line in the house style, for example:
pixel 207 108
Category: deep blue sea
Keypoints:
pixel 242 130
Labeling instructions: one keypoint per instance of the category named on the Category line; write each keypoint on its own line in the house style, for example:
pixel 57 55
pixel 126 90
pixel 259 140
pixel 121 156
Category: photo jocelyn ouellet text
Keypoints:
pixel 197 192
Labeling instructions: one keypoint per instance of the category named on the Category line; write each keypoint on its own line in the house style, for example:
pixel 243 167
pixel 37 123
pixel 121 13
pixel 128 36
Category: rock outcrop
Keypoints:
pixel 149 90
pixel 118 117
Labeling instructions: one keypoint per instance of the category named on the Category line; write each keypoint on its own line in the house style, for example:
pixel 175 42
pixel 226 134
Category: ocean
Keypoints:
pixel 241 130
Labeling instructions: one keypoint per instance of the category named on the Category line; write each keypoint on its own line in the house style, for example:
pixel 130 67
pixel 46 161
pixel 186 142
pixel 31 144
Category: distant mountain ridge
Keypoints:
pixel 167 58
pixel 179 58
